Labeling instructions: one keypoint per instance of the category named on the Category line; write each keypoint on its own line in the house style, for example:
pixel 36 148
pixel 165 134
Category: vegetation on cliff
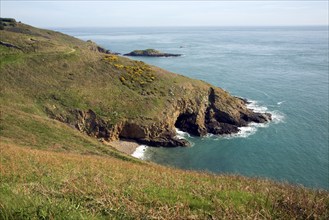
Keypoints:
pixel 60 95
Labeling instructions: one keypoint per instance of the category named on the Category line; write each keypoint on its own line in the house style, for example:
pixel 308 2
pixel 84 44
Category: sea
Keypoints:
pixel 280 70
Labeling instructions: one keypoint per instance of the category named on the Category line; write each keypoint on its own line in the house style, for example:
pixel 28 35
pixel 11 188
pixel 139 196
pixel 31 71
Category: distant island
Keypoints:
pixel 151 53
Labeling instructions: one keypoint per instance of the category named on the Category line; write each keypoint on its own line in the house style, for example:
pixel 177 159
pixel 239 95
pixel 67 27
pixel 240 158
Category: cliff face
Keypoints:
pixel 217 113
pixel 108 96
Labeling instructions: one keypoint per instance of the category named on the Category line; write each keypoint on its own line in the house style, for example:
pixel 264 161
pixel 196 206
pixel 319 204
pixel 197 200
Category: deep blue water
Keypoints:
pixel 283 69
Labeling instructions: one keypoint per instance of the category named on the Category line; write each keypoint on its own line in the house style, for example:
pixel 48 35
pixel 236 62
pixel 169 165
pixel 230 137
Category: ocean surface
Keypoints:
pixel 282 70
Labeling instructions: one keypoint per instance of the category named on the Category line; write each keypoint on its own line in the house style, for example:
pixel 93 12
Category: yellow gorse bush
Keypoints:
pixel 139 73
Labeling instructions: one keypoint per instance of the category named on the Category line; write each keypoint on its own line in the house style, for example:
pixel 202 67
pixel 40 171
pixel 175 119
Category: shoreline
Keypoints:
pixel 125 146
pixel 129 147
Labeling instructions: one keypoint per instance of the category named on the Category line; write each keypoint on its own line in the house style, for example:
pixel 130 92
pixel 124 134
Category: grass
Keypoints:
pixel 58 70
pixel 56 185
pixel 50 170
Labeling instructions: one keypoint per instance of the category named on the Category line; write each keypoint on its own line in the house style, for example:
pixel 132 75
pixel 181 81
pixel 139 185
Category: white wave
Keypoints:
pixel 250 129
pixel 181 134
pixel 245 132
pixel 140 152
pixel 184 135
pixel 208 135
pixel 277 117
pixel 255 107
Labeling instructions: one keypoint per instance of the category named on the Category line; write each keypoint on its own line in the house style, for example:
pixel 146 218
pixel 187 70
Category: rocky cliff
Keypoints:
pixel 216 112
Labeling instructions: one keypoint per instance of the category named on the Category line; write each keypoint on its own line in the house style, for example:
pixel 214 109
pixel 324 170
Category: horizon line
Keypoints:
pixel 191 26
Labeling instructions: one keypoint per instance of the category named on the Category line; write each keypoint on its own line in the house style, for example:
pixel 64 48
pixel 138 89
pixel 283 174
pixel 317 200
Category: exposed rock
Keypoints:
pixel 215 127
pixel 154 135
pixel 94 47
pixel 9 45
pixel 151 53
pixel 216 113
pixel 224 114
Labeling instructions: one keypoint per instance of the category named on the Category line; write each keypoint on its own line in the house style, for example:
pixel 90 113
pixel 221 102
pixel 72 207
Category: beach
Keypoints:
pixel 125 146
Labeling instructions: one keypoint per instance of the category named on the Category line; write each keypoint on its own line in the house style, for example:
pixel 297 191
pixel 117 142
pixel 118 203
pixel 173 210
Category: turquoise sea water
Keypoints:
pixel 284 70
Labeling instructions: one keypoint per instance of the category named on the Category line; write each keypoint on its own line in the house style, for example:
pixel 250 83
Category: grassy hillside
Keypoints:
pixel 53 185
pixel 51 170
pixel 49 74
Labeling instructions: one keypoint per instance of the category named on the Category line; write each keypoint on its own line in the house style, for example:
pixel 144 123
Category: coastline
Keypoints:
pixel 125 146
pixel 129 147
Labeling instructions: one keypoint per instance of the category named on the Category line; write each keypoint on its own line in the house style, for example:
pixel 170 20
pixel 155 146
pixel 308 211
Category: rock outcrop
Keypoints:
pixel 9 45
pixel 94 47
pixel 150 53
pixel 217 113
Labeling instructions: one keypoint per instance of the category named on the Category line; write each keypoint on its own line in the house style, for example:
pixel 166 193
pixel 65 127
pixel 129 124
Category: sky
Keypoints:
pixel 136 13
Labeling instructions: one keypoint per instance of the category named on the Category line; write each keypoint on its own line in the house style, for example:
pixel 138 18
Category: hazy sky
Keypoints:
pixel 166 13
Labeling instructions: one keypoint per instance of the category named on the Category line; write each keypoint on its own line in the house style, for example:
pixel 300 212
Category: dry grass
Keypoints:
pixel 67 185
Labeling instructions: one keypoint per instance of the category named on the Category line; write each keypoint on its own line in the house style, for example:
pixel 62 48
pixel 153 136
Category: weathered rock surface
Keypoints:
pixel 94 47
pixel 151 53
pixel 217 113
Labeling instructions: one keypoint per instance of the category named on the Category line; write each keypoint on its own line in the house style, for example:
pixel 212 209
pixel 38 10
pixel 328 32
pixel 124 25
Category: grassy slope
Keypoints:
pixel 45 184
pixel 48 169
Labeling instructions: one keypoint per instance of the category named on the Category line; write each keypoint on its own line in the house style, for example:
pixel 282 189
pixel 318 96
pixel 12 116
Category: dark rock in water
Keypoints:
pixel 257 117
pixel 150 53
pixel 215 127
pixel 165 142
pixel 243 99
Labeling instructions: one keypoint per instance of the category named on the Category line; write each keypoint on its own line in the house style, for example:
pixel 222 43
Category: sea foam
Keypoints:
pixel 277 116
pixel 140 152
pixel 181 134
pixel 244 132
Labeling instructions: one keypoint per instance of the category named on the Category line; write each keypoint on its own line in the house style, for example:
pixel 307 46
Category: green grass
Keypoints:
pixel 70 185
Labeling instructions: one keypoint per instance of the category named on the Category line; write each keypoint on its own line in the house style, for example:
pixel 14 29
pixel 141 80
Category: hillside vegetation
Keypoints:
pixel 62 97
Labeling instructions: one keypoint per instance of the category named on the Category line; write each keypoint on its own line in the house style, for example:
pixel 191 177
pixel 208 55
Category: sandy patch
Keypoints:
pixel 127 147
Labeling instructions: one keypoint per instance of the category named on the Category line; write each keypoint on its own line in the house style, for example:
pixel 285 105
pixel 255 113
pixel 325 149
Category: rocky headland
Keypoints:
pixel 151 53
pixel 211 111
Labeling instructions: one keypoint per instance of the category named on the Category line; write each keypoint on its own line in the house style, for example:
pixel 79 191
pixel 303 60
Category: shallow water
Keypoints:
pixel 284 70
